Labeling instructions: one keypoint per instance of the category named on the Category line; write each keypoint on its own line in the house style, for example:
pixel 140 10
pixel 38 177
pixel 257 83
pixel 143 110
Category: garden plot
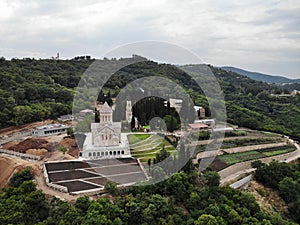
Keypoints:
pixel 92 175
pixel 223 161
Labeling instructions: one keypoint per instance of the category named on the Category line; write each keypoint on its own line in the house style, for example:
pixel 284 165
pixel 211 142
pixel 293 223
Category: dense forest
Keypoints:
pixel 284 178
pixel 34 90
pixel 185 198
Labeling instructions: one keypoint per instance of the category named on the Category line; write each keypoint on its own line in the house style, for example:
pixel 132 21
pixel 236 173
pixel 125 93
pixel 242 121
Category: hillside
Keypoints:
pixel 33 90
pixel 261 76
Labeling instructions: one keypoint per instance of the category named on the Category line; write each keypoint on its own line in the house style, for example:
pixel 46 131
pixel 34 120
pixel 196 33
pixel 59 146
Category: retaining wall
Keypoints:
pixel 51 185
pixel 20 155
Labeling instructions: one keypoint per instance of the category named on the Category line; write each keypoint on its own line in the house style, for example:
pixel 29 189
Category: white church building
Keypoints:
pixel 105 139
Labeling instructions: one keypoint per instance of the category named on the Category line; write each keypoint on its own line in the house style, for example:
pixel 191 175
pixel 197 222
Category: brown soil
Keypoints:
pixel 10 144
pixel 268 199
pixel 7 167
pixel 30 143
pixel 70 144
pixel 38 152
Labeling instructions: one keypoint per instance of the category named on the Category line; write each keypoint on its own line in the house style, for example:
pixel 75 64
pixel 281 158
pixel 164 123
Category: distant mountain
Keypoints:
pixel 260 76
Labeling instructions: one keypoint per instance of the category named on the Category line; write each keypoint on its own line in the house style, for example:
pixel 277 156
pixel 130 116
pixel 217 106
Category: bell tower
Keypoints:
pixel 128 111
pixel 106 114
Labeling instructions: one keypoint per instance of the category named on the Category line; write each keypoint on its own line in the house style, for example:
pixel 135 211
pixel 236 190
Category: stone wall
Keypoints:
pixel 20 155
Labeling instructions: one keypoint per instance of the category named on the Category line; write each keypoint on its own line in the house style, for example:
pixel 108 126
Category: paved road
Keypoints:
pixel 236 175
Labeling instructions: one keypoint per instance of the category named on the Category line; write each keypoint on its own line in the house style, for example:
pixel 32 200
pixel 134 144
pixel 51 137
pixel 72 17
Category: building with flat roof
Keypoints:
pixel 198 127
pixel 50 129
pixel 209 122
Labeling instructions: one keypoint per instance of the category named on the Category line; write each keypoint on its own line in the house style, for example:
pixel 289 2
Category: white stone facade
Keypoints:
pixel 105 139
pixel 128 111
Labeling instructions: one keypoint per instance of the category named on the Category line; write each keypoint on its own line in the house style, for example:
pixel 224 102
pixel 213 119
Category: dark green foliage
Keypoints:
pixel 111 188
pixel 180 199
pixel 212 179
pixel 285 178
pixel 21 203
pixel 34 90
pixel 19 177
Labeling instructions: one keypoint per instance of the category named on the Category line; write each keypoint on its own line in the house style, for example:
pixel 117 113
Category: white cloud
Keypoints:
pixel 251 34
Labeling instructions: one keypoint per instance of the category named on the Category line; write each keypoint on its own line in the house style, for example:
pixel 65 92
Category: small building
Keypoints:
pixel 200 111
pixel 199 127
pixel 223 129
pixel 209 122
pixel 50 129
pixel 86 112
pixel 295 92
pixel 65 118
pixel 175 103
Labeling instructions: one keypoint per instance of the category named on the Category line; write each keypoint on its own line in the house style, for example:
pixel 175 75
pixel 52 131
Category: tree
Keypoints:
pixel 70 131
pixel 161 155
pixel 132 124
pixel 19 177
pixel 289 189
pixel 97 116
pixel 111 188
pixel 171 123
pixel 82 204
pixel 62 149
pixel 149 164
pixel 212 179
pixel 206 219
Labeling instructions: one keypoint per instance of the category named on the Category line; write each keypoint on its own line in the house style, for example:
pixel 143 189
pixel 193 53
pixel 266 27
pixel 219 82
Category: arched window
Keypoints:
pixel 118 152
pixel 115 153
pixel 94 153
pixel 90 154
pixel 102 153
pixel 110 152
pixel 98 153
pixel 122 152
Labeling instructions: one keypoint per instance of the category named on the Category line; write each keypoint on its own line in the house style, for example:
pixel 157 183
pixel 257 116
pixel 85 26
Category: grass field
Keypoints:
pixel 135 138
pixel 145 146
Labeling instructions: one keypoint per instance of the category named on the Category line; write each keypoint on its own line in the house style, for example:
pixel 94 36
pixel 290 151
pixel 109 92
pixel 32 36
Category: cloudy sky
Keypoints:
pixel 261 36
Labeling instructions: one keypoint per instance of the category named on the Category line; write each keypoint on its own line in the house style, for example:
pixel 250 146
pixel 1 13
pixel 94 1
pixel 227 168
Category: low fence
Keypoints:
pixel 20 155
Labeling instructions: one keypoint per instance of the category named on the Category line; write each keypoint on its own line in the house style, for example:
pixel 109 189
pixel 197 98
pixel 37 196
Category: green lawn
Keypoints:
pixel 145 146
pixel 229 159
pixel 277 152
pixel 135 138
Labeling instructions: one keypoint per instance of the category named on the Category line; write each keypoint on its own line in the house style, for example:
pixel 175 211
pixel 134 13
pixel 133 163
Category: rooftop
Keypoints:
pixel 105 108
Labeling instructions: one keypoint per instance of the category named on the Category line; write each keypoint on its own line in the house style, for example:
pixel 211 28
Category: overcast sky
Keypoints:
pixel 261 36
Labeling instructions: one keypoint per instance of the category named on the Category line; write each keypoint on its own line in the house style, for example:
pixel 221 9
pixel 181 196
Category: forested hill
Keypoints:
pixel 33 90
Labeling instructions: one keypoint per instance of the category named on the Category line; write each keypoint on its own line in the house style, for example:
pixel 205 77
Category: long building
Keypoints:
pixel 50 129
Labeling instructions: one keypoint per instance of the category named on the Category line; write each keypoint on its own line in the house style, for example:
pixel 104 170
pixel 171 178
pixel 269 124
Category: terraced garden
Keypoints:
pixel 223 161
pixel 145 146
pixel 243 142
